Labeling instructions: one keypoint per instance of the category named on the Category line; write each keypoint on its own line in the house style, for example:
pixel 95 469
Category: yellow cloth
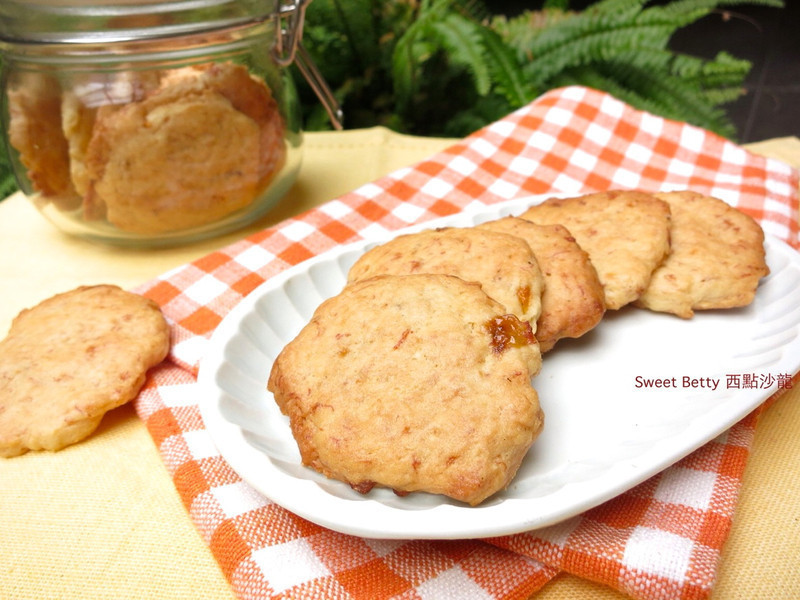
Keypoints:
pixel 102 519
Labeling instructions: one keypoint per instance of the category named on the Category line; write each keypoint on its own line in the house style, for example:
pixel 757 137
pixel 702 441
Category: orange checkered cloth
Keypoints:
pixel 662 539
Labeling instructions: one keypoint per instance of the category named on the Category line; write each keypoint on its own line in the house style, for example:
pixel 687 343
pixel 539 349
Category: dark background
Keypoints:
pixel 768 37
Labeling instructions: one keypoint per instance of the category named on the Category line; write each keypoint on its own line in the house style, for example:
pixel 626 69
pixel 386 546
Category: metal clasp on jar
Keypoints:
pixel 288 49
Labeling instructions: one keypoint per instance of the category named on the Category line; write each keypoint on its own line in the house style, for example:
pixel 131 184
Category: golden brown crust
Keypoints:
pixel 70 359
pixel 503 264
pixel 717 258
pixel 625 234
pixel 397 382
pixel 573 301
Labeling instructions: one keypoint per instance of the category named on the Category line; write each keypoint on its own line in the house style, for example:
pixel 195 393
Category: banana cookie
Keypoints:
pixel 195 150
pixel 34 130
pixel 573 302
pixel 716 261
pixel 418 383
pixel 69 360
pixel 504 265
pixel 625 234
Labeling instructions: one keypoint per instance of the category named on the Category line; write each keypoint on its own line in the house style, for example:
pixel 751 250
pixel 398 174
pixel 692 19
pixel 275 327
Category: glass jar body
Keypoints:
pixel 155 141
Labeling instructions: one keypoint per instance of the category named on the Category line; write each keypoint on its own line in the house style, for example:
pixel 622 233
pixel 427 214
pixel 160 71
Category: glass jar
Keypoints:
pixel 151 123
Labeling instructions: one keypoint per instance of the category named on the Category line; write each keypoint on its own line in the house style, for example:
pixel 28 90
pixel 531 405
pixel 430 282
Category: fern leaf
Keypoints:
pixel 404 70
pixel 721 71
pixel 681 6
pixel 507 74
pixel 438 28
pixel 590 77
pixel 461 39
pixel 345 28
pixel 606 15
pixel 719 96
pixel 518 32
pixel 8 184
pixel 592 47
pixel 474 10
pixel 429 66
pixel 673 16
pixel 725 70
pixel 677 99
pixel 409 51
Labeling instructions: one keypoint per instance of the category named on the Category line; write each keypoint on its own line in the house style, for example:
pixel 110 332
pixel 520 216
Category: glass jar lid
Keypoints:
pixel 34 26
pixel 85 21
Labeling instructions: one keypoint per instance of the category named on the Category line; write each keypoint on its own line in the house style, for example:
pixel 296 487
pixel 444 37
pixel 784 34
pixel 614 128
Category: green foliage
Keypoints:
pixel 445 67
pixel 8 183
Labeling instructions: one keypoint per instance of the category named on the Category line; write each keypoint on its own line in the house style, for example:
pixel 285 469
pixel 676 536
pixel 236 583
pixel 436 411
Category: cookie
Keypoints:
pixel 77 122
pixel 250 96
pixel 414 383
pixel 34 130
pixel 72 358
pixel 78 113
pixel 205 144
pixel 503 264
pixel 573 301
pixel 625 234
pixel 717 258
pixel 166 168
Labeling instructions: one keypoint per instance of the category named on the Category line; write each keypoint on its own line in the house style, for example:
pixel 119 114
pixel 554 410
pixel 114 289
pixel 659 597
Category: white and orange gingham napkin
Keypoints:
pixel 660 540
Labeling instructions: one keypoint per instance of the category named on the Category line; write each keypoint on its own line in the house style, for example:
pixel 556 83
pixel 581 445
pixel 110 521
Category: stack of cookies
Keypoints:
pixel 148 152
pixel 419 375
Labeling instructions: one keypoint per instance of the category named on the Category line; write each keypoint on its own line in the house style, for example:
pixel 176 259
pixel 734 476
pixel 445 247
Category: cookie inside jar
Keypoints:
pixel 154 147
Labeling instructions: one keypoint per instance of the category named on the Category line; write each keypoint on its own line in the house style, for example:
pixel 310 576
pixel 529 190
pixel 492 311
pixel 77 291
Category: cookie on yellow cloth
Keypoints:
pixel 70 359
pixel 573 302
pixel 625 234
pixel 716 261
pixel 415 383
pixel 503 264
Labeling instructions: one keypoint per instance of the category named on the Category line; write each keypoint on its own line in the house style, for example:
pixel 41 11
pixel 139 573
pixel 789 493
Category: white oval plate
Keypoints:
pixel 605 430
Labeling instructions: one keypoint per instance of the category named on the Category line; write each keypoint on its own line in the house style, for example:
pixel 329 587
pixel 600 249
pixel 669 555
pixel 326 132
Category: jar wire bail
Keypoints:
pixel 289 49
